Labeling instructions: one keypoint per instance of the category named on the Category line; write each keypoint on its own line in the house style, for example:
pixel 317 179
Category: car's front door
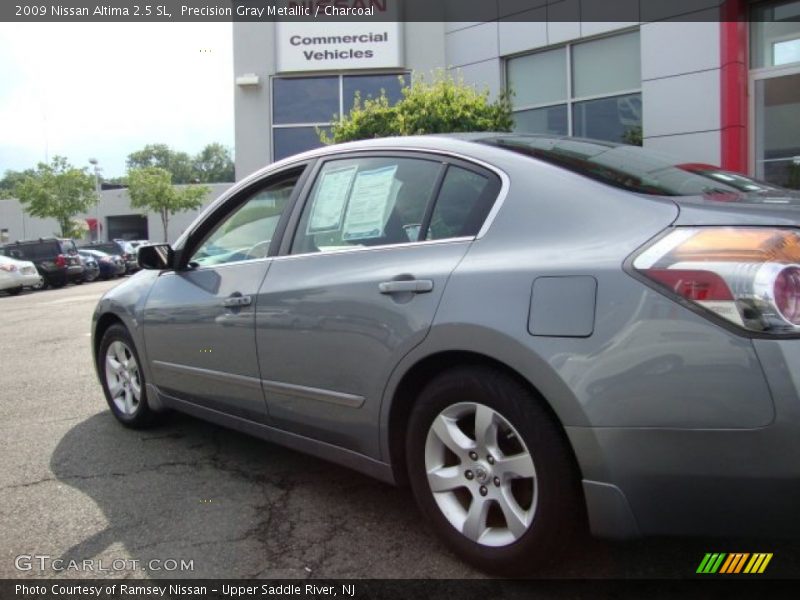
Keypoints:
pixel 199 320
pixel 357 287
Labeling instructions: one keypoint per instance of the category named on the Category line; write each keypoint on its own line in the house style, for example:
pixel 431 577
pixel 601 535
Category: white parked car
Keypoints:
pixel 17 274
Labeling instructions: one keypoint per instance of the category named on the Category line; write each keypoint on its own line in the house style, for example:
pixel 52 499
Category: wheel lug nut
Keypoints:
pixel 490 459
pixel 469 475
pixel 473 455
pixel 497 481
pixel 483 490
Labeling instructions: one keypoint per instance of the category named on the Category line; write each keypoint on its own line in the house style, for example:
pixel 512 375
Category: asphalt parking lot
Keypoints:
pixel 77 486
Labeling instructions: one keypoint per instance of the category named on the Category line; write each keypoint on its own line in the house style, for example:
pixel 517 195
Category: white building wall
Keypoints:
pixel 680 66
pixel 22 226
pixel 681 89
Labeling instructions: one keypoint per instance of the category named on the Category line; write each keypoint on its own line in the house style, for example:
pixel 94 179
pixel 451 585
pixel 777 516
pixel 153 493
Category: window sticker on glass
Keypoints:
pixel 371 201
pixel 330 200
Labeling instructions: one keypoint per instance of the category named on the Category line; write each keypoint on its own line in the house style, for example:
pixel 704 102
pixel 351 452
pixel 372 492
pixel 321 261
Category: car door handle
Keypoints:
pixel 414 286
pixel 237 301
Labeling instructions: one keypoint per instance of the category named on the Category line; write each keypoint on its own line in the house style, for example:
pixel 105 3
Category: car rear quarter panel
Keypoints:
pixel 649 362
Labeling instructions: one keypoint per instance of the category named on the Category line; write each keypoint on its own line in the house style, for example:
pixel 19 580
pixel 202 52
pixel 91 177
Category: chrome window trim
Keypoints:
pixel 463 239
pixel 325 153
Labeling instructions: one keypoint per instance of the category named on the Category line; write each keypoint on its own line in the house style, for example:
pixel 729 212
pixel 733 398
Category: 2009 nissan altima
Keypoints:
pixel 536 333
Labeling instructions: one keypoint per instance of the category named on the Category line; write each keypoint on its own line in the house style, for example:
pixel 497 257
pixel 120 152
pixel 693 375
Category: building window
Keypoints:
pixel 300 105
pixel 588 89
pixel 775 91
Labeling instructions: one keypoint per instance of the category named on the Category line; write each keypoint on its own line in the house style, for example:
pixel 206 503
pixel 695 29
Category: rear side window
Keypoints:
pixel 464 201
pixel 34 251
pixel 68 247
pixel 370 201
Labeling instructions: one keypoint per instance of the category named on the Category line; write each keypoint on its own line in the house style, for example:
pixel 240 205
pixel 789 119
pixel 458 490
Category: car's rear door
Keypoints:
pixel 355 288
pixel 199 321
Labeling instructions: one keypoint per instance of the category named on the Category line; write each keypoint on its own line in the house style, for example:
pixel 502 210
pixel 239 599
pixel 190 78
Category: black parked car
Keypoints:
pixel 110 265
pixel 119 248
pixel 56 259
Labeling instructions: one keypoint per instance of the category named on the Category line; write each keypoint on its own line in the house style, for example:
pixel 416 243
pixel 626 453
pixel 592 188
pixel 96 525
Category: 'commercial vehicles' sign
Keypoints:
pixel 335 45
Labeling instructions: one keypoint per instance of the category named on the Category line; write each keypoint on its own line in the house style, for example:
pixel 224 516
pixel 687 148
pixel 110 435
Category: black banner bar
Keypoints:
pixel 131 11
pixel 369 589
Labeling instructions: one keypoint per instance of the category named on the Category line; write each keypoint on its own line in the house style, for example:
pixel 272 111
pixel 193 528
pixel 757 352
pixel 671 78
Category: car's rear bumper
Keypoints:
pixel 726 482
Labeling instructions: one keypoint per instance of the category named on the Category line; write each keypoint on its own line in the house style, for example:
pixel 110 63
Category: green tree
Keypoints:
pixel 10 181
pixel 179 164
pixel 443 105
pixel 56 190
pixel 151 188
pixel 213 164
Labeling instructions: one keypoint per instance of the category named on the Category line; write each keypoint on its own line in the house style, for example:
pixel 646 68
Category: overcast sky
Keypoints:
pixel 104 90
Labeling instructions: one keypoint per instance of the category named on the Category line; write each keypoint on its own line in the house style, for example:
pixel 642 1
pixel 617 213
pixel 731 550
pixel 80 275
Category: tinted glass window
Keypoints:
pixel 551 119
pixel 609 119
pixel 68 247
pixel 370 86
pixel 366 202
pixel 463 203
pixel 639 170
pixel 607 65
pixel 37 251
pixel 247 232
pixel 293 140
pixel 108 248
pixel 538 78
pixel 304 100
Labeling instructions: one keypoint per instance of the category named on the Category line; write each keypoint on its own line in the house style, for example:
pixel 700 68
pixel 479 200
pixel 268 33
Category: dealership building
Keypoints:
pixel 717 82
pixel 714 82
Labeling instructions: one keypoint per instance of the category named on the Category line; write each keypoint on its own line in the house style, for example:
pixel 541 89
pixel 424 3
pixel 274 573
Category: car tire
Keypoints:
pixel 508 501
pixel 121 376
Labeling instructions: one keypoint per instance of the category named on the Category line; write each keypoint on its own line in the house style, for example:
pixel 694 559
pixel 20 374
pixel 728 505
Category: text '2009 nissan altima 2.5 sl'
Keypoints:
pixel 536 333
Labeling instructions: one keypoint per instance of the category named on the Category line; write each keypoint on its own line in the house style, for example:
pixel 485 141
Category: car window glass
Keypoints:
pixel 366 202
pixel 246 233
pixel 462 205
pixel 68 247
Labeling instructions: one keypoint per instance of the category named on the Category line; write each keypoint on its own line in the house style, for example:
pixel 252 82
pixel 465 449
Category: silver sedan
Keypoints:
pixel 538 334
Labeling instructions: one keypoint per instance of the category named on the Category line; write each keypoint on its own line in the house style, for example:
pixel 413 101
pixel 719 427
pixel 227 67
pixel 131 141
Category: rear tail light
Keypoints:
pixel 749 276
pixel 61 261
pixel 8 268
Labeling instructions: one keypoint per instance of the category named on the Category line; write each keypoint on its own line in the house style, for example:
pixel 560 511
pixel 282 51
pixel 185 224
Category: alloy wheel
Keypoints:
pixel 122 378
pixel 481 474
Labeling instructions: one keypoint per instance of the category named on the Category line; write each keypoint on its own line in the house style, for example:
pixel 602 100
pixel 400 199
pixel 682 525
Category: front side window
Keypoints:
pixel 587 89
pixel 366 202
pixel 246 233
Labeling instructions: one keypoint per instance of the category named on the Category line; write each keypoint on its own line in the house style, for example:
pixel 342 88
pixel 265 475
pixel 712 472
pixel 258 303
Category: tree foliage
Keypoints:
pixel 443 105
pixel 57 191
pixel 212 164
pixel 150 188
pixel 178 164
pixel 10 181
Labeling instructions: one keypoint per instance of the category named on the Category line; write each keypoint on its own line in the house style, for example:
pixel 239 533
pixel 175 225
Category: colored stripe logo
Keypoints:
pixel 734 563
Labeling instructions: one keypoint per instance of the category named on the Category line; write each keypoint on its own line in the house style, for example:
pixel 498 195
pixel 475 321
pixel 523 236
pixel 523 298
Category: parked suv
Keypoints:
pixel 56 259
pixel 118 247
